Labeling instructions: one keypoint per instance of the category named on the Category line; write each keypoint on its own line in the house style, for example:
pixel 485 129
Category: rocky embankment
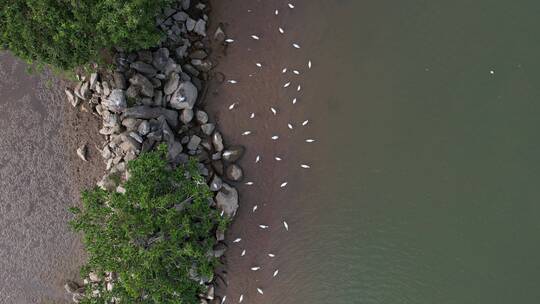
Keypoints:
pixel 153 96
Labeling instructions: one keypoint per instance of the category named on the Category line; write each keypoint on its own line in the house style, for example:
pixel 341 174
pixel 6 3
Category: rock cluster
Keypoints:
pixel 153 96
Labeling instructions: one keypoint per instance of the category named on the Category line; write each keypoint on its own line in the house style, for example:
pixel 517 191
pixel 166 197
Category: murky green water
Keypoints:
pixel 427 189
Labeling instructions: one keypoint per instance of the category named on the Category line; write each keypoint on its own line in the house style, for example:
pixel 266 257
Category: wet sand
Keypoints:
pixel 257 93
pixel 40 177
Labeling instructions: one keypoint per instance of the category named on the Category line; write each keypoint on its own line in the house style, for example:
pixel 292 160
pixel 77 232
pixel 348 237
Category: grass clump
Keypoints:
pixel 152 236
pixel 70 33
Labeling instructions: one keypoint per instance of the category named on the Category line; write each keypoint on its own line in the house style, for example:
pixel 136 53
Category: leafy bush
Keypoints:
pixel 69 33
pixel 152 235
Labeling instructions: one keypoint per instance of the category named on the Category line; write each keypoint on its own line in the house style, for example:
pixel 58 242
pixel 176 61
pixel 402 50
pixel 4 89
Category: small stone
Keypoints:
pixel 186 116
pixel 93 80
pixel 71 286
pixel 200 28
pixel 172 84
pixel 158 98
pixel 202 65
pixel 227 200
pixel 185 96
pixel 81 152
pixel 73 100
pixel 144 68
pixel 194 142
pixel 160 58
pixel 208 128
pixel 147 88
pixel 144 128
pixel 234 173
pixel 219 35
pixel 180 16
pixel 217 140
pixel 116 101
pixel 202 117
pixel 119 80
pixel 145 56
pixel 131 123
pixel 219 250
pixel 136 136
pixel 190 24
pixel 185 4
pixel 198 54
pixel 216 184
pixel 233 153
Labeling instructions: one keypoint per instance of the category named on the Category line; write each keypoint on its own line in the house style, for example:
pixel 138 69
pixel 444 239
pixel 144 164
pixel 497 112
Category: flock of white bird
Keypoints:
pixel 274 137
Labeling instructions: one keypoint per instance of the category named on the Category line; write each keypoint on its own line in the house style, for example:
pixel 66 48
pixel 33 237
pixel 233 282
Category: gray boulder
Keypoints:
pixel 227 200
pixel 146 112
pixel 185 96
pixel 116 102
pixel 144 68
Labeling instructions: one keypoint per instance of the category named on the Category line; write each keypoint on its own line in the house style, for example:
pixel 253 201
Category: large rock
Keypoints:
pixel 234 173
pixel 146 87
pixel 185 96
pixel 227 200
pixel 144 68
pixel 146 112
pixel 233 153
pixel 116 102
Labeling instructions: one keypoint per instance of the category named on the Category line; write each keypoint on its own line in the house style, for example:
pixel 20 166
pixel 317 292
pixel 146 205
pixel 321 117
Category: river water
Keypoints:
pixel 423 187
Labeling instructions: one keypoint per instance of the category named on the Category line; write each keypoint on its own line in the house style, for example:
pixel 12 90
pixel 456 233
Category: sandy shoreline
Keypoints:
pixel 40 178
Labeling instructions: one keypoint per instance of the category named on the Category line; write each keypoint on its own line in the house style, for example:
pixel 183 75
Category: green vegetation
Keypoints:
pixel 70 33
pixel 152 235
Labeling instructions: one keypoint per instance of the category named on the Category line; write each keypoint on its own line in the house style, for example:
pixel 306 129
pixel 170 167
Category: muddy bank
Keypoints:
pixel 39 180
pixel 259 88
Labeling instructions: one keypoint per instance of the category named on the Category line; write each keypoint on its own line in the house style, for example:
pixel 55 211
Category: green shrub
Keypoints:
pixel 69 33
pixel 152 235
